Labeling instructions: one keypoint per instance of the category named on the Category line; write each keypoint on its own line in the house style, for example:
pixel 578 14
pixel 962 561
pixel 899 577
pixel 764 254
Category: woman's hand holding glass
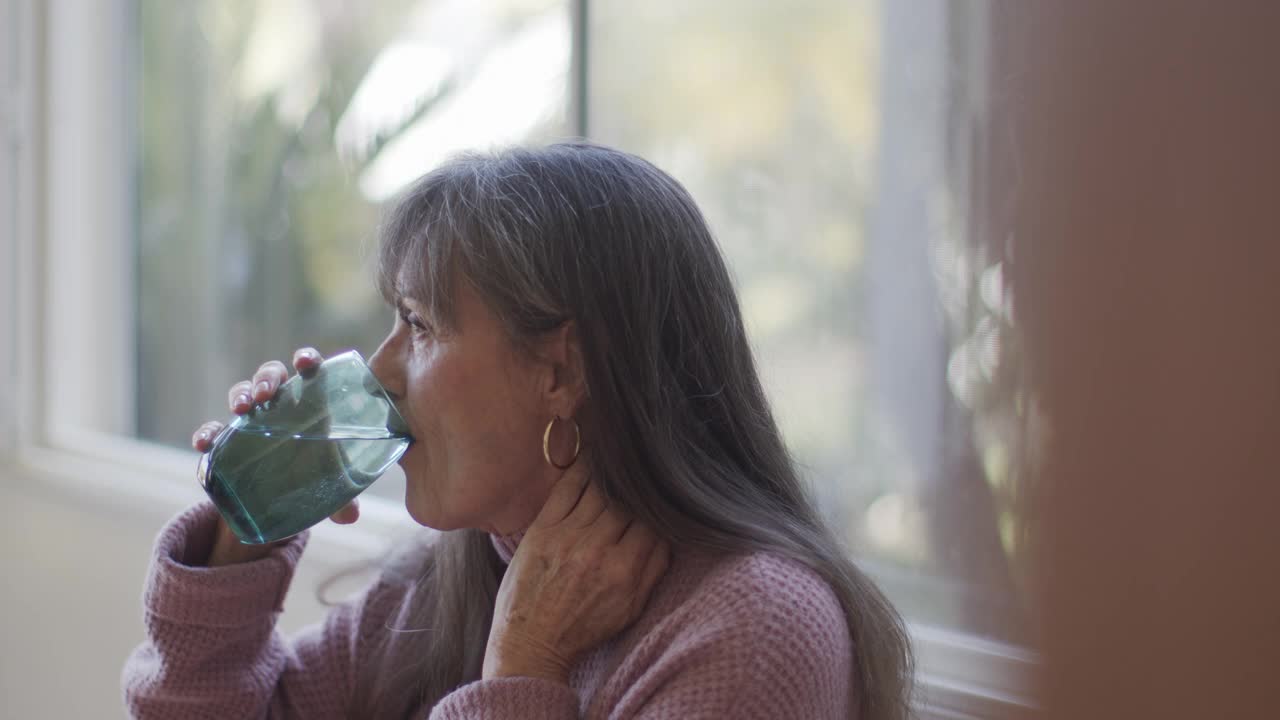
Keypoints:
pixel 582 574
pixel 241 398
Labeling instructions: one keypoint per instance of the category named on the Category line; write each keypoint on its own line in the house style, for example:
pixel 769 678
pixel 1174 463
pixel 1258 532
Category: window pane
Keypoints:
pixel 271 130
pixel 828 143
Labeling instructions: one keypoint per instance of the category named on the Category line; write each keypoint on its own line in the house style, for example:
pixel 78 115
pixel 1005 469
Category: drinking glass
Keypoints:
pixel 296 459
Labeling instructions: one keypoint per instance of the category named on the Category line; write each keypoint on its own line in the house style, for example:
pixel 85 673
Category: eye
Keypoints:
pixel 414 321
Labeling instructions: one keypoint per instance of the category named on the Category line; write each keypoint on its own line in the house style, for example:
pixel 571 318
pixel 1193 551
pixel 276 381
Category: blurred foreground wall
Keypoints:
pixel 1140 178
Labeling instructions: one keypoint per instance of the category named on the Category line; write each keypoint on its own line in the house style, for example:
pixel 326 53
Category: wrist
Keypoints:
pixel 530 670
pixel 514 661
pixel 228 550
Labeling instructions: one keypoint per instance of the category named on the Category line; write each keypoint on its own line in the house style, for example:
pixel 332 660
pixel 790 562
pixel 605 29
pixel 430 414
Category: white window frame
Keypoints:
pixel 66 291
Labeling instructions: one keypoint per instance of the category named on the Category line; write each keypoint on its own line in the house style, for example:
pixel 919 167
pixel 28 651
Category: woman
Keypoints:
pixel 628 536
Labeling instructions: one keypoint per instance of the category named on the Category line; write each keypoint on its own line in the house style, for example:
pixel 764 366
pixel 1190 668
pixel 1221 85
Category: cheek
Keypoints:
pixel 420 396
pixel 478 455
pixel 466 424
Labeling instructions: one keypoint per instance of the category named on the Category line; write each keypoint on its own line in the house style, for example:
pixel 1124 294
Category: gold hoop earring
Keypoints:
pixel 546 443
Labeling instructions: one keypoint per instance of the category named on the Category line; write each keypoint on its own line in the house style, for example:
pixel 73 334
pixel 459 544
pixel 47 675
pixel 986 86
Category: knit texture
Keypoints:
pixel 744 636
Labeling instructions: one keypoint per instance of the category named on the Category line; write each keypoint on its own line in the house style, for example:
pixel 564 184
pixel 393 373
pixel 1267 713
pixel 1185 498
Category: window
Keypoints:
pixel 216 171
pixel 270 133
pixel 815 135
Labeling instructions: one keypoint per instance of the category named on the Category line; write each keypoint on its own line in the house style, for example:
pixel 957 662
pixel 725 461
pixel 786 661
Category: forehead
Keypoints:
pixel 407 286
pixel 418 287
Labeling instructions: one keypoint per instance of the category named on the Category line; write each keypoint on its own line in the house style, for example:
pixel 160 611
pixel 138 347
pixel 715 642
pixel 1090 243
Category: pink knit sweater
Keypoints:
pixel 752 636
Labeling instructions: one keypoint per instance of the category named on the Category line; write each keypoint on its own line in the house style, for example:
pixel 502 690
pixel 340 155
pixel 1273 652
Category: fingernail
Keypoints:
pixel 244 399
pixel 203 435
pixel 262 387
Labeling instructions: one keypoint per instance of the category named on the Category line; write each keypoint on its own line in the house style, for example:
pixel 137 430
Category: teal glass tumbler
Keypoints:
pixel 296 459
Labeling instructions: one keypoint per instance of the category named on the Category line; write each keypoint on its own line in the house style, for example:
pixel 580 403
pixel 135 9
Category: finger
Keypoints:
pixel 564 495
pixel 306 359
pixel 638 539
pixel 609 526
pixel 348 514
pixel 655 567
pixel 268 378
pixel 203 437
pixel 240 397
pixel 590 507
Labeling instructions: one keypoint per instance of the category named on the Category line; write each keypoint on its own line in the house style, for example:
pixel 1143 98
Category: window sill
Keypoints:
pixel 963 676
pixel 148 484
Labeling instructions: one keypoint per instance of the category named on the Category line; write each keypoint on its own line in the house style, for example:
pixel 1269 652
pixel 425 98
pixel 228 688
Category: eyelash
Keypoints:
pixel 412 321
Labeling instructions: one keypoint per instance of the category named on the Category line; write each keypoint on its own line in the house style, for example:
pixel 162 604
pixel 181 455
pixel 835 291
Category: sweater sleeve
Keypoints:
pixel 212 650
pixel 766 640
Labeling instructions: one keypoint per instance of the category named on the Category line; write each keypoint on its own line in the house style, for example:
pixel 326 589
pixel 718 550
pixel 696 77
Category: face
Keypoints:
pixel 476 407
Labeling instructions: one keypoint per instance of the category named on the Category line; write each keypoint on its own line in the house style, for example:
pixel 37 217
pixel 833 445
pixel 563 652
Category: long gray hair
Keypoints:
pixel 679 428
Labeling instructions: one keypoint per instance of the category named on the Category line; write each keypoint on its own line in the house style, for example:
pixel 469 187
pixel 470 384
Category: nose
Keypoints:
pixel 388 367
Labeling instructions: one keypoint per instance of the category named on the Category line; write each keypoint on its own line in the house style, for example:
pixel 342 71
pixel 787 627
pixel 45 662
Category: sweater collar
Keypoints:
pixel 506 545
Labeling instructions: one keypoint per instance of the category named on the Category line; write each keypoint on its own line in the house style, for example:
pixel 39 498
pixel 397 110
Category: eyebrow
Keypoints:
pixel 402 304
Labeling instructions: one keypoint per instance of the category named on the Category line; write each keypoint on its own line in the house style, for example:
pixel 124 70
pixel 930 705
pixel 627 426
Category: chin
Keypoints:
pixel 416 511
pixel 426 518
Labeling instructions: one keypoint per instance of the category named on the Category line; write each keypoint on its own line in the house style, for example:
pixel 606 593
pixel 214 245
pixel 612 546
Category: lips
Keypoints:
pixel 407 450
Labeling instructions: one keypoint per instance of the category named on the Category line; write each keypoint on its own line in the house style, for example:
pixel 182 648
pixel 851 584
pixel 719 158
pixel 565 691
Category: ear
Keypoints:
pixel 564 382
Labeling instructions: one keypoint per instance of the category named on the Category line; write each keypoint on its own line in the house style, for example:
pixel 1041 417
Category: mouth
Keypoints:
pixel 408 449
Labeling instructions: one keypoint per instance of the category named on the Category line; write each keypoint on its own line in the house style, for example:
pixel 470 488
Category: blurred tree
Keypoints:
pixel 253 237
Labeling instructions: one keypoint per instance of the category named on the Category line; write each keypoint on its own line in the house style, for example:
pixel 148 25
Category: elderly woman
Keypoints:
pixel 626 535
